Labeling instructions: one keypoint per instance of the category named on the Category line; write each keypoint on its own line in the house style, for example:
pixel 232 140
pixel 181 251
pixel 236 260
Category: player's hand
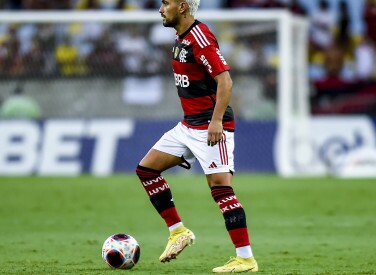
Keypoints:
pixel 215 130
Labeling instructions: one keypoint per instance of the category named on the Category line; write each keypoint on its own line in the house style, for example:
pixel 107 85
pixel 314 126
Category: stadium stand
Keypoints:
pixel 341 48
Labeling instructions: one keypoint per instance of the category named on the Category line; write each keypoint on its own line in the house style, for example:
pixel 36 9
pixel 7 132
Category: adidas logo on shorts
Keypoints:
pixel 213 165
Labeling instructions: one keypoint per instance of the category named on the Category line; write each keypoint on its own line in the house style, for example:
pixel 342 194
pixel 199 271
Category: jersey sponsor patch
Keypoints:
pixel 181 80
pixel 176 52
pixel 206 63
pixel 221 57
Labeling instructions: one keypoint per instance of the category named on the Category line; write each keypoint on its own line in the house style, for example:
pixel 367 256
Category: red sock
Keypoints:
pixel 233 214
pixel 159 193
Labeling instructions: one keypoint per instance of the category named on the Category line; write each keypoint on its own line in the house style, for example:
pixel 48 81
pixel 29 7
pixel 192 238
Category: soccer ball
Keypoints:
pixel 121 251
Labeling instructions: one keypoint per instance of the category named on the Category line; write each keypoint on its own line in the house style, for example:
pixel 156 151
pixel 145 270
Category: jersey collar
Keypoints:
pixel 190 28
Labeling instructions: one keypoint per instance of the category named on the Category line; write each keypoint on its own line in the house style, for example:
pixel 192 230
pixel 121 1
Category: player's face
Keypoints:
pixel 169 12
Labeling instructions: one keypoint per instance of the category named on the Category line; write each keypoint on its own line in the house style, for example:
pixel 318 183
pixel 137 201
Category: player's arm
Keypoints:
pixel 224 92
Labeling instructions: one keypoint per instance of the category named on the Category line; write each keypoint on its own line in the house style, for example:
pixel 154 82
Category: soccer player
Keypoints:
pixel 206 133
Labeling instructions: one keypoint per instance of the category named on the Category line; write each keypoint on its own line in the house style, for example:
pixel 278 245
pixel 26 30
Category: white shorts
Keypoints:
pixel 191 144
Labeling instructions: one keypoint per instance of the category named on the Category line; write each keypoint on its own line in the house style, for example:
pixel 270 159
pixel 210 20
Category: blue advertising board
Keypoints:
pixel 107 146
pixel 70 147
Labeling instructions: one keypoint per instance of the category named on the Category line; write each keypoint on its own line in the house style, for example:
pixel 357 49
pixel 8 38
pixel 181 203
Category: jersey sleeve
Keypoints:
pixel 207 53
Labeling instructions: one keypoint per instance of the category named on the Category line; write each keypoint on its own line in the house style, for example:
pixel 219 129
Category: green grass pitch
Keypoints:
pixel 297 226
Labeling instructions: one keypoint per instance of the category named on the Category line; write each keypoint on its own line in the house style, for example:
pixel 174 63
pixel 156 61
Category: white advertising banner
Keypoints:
pixel 55 148
pixel 343 146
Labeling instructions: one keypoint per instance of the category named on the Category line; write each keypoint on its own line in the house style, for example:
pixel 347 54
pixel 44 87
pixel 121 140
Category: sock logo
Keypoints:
pixel 227 199
pixel 150 182
pixel 231 207
pixel 158 189
pixel 156 185
pixel 229 203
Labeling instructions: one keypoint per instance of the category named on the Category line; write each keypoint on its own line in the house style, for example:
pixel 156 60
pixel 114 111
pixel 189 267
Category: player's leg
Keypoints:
pixel 166 153
pixel 149 172
pixel 235 221
pixel 232 211
pixel 218 165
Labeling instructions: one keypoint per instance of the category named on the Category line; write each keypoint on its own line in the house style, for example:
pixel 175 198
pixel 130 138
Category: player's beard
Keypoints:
pixel 171 23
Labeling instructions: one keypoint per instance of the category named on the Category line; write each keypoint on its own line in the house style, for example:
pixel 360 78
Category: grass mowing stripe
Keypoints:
pixel 297 226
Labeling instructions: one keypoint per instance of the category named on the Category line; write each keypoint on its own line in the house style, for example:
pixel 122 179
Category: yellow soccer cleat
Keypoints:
pixel 179 239
pixel 237 265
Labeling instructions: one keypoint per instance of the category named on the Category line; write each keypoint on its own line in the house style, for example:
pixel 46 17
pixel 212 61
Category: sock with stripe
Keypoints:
pixel 235 219
pixel 159 193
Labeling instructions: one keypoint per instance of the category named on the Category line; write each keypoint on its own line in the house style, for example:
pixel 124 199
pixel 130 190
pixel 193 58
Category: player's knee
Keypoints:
pixel 220 179
pixel 146 173
pixel 139 170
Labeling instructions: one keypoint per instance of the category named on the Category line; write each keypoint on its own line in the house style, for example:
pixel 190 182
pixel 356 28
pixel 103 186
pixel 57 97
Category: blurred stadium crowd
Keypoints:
pixel 342 66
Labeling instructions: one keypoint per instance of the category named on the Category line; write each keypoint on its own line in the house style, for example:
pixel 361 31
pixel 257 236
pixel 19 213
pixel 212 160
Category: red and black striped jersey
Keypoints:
pixel 196 61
